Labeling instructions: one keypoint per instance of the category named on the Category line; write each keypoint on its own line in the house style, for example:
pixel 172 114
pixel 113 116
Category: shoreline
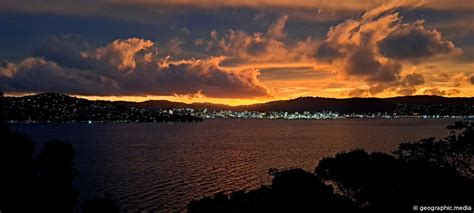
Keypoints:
pixel 238 119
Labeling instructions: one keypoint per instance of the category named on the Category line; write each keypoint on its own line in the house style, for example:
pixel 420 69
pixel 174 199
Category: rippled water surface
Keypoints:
pixel 160 167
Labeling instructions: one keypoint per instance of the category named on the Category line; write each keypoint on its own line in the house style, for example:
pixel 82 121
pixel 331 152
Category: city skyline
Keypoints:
pixel 237 52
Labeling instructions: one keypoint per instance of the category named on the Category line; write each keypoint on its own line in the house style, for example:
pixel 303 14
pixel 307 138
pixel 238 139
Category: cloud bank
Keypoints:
pixel 376 46
pixel 129 67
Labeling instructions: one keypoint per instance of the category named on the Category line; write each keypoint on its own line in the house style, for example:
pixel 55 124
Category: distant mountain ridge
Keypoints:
pixel 403 104
pixel 318 104
pixel 165 104
pixel 357 105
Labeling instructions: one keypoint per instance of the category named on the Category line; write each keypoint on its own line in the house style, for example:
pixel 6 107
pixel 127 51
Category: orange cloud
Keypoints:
pixel 439 92
pixel 376 46
pixel 121 53
pixel 259 47
pixel 131 67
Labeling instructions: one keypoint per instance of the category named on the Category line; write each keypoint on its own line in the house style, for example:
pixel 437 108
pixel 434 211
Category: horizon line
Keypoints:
pixel 98 98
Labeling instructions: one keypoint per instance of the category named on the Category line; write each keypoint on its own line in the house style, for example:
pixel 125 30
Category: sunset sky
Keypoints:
pixel 237 51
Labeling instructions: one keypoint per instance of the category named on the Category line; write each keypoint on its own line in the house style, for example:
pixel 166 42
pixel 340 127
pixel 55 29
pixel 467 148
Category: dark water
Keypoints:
pixel 151 167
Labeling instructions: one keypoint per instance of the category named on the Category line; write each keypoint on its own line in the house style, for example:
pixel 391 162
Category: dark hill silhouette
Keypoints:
pixel 52 107
pixel 357 105
pixel 164 104
pixel 430 99
pixel 311 104
pixel 315 104
pixel 406 105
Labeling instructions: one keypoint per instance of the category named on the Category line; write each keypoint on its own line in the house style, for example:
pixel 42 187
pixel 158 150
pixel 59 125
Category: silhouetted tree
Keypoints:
pixel 296 190
pixel 293 190
pixel 379 182
pixel 55 172
pixel 455 151
pixel 352 173
pixel 100 205
pixel 35 185
pixel 3 111
pixel 16 166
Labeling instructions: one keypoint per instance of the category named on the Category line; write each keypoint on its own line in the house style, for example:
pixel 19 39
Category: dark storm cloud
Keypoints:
pixel 471 79
pixel 413 42
pixel 406 85
pixel 326 52
pixel 129 67
pixel 363 63
pixel 414 80
pixel 38 75
pixel 64 49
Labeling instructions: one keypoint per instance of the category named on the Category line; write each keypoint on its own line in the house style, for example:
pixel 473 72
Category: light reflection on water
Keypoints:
pixel 161 167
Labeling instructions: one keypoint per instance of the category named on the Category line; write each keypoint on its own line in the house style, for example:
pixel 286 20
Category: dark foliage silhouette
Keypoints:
pixel 42 184
pixel 100 205
pixel 292 190
pixel 427 172
pixel 17 170
pixel 379 182
pixel 54 174
pixel 455 151
pixel 35 185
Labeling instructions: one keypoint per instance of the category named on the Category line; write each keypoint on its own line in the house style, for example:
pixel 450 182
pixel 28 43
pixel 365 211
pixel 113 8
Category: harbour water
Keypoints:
pixel 160 167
